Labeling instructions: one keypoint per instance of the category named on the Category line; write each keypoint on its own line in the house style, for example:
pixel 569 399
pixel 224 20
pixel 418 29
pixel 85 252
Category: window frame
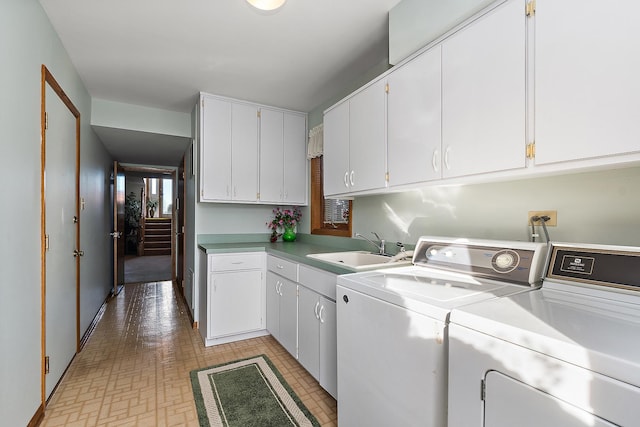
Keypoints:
pixel 317 205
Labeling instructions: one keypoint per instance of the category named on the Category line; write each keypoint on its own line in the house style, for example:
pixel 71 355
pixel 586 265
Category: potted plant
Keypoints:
pixel 285 219
pixel 132 211
pixel 152 205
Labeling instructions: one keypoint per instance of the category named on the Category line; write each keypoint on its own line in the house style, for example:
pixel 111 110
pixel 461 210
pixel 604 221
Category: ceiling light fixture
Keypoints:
pixel 268 5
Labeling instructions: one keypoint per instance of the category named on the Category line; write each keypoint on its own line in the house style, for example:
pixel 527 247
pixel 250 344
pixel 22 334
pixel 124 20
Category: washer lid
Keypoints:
pixel 428 291
pixel 599 334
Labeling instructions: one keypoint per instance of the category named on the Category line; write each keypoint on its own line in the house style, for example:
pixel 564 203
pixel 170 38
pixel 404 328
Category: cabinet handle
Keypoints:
pixel 315 310
pixel 237 262
pixel 276 287
pixel 346 177
pixel 320 315
pixel 280 267
pixel 446 158
pixel 280 289
pixel 434 159
pixel 351 178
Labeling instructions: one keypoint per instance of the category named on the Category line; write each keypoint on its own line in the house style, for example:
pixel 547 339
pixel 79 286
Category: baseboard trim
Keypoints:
pixel 37 417
pixel 94 322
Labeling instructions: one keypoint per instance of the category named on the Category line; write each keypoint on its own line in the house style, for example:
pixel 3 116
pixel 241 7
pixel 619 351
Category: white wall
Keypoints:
pixel 119 115
pixel 415 23
pixel 595 207
pixel 27 41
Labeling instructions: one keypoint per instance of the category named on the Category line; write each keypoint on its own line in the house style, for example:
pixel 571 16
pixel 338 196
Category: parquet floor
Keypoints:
pixel 134 370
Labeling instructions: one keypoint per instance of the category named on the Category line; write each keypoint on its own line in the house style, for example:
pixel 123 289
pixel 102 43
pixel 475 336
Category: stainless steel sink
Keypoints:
pixel 358 260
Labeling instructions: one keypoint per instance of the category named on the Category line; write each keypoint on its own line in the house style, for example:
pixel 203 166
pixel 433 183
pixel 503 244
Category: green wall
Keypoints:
pixel 27 40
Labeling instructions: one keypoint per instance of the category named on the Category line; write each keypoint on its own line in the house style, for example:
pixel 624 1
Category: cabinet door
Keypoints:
pixel 586 81
pixel 271 155
pixel 309 331
pixel 414 120
pixel 289 316
pixel 483 94
pixel 328 347
pixel 236 302
pixel 215 149
pixel 336 150
pixel 273 305
pixel 244 152
pixel 295 159
pixel 367 138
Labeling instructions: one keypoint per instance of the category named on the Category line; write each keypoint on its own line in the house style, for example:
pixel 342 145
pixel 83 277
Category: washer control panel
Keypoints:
pixel 523 264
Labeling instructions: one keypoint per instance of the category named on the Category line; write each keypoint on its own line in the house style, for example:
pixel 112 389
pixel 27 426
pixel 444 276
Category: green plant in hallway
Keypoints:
pixel 151 206
pixel 132 213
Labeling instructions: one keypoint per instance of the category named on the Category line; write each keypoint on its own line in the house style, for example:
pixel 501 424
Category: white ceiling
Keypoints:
pixel 161 53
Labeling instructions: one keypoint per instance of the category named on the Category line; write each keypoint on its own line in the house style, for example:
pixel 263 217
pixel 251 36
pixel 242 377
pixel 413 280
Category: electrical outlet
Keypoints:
pixel 553 215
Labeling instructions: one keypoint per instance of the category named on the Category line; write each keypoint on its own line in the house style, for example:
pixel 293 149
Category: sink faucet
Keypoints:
pixel 379 246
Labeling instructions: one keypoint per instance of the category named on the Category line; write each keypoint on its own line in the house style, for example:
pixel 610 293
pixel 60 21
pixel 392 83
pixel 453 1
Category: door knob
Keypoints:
pixel 77 253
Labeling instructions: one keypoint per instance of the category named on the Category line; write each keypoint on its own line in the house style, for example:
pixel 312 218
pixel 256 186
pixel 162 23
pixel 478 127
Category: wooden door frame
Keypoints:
pixel 47 78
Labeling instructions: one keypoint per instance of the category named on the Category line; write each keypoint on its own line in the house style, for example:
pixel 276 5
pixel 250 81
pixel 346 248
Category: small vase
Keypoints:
pixel 289 235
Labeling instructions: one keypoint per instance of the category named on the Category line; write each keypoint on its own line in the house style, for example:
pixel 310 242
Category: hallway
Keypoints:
pixel 134 370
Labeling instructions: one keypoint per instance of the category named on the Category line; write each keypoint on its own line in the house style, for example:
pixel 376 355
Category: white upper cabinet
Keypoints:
pixel 283 164
pixel 271 155
pixel 336 150
pixel 244 152
pixel 251 154
pixel 367 138
pixel 355 143
pixel 414 120
pixel 587 89
pixel 484 94
pixel 215 158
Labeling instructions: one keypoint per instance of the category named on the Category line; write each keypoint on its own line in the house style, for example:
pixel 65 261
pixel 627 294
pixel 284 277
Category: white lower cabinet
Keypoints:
pixel 317 334
pixel 282 309
pixel 301 315
pixel 232 297
pixel 282 302
pixel 317 337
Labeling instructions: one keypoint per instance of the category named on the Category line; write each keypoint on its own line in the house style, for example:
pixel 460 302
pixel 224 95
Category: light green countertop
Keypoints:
pixel 294 251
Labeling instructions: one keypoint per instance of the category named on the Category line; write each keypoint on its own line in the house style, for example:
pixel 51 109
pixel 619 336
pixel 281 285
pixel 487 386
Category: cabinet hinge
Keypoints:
pixel 259 114
pixel 386 177
pixel 46 120
pixel 202 103
pixel 386 88
pixel 483 390
pixel 46 364
pixel 46 242
pixel 531 150
pixel 530 9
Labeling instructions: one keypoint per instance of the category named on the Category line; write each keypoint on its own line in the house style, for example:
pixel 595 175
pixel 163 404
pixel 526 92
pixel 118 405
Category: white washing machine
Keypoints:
pixel 392 325
pixel 567 354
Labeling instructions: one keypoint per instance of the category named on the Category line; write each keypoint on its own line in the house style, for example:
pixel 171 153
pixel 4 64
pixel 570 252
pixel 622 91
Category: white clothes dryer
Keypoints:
pixel 565 355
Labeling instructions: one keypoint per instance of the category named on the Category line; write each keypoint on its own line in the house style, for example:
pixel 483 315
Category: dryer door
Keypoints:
pixel 509 402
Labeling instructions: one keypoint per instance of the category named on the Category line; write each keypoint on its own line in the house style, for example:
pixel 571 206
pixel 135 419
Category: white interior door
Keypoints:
pixel 118 227
pixel 60 230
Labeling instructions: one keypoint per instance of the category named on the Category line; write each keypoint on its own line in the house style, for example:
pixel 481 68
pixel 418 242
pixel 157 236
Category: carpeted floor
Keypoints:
pixel 143 269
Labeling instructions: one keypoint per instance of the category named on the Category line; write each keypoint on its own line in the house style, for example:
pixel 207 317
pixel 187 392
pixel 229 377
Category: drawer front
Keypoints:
pixel 319 281
pixel 236 261
pixel 283 267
